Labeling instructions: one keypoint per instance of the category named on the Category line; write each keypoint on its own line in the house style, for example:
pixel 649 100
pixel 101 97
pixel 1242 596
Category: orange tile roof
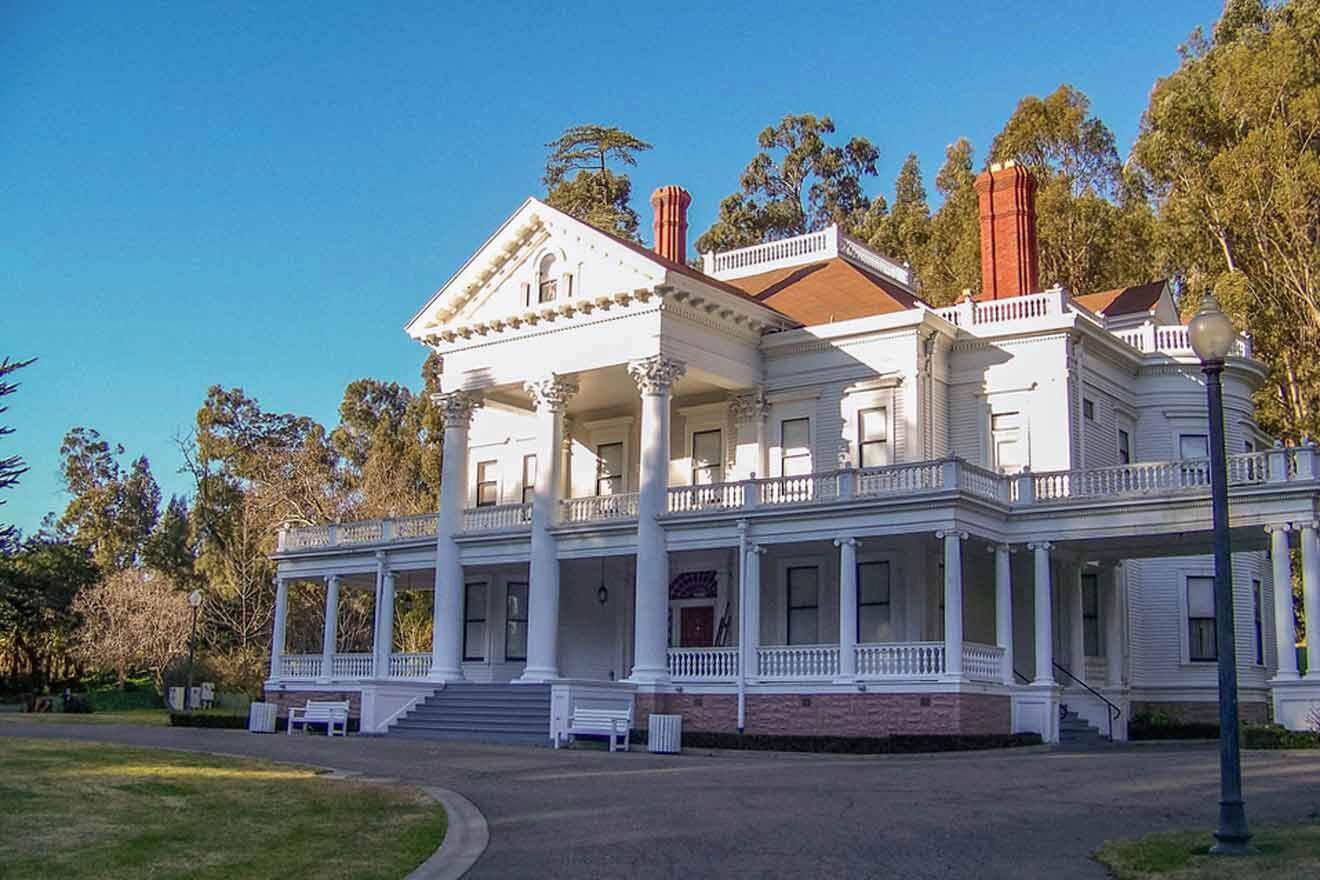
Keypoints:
pixel 1123 300
pixel 826 291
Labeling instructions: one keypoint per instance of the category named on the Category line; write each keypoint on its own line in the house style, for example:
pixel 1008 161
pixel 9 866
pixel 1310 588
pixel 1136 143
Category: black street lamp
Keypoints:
pixel 1212 336
pixel 194 602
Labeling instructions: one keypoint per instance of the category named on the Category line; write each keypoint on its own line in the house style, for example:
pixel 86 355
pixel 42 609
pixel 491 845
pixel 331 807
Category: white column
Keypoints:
pixel 749 412
pixel 1076 623
pixel 330 635
pixel 751 639
pixel 1044 615
pixel 279 627
pixel 384 643
pixel 953 601
pixel 1115 626
pixel 1311 593
pixel 447 642
pixel 550 395
pixel 847 607
pixel 1004 607
pixel 655 377
pixel 1285 623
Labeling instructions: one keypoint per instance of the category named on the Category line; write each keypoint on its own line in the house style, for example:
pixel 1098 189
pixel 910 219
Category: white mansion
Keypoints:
pixel 783 494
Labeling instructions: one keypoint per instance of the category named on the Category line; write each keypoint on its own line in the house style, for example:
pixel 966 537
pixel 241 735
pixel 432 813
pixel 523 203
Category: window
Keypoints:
pixel 1091 614
pixel 1256 619
pixel 1193 446
pixel 526 294
pixel 1088 409
pixel 609 469
pixel 515 622
pixel 873 602
pixel 795 447
pixel 546 280
pixel 488 483
pixel 1124 447
pixel 873 437
pixel 1006 441
pixel 1201 618
pixel 528 478
pixel 706 454
pixel 474 622
pixel 803 605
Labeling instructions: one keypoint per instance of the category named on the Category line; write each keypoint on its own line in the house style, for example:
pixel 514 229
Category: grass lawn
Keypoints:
pixel 158 717
pixel 76 811
pixel 1286 853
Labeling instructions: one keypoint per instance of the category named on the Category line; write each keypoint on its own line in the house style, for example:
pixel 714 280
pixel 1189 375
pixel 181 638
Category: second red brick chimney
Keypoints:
pixel 1009 260
pixel 671 204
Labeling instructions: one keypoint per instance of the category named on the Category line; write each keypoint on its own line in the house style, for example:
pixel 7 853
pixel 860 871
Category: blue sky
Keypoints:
pixel 260 195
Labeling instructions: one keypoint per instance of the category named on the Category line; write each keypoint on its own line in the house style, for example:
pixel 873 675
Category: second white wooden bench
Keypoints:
pixel 327 712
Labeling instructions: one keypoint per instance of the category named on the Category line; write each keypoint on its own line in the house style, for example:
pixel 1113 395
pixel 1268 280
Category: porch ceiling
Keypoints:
pixel 609 389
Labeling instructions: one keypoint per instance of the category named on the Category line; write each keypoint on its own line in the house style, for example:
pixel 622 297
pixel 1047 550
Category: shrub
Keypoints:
pixel 77 704
pixel 1158 725
pixel 1275 736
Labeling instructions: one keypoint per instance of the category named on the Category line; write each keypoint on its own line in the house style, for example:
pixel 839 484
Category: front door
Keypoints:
pixel 696 626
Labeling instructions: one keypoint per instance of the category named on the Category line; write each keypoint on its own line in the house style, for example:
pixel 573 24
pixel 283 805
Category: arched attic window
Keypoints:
pixel 546 279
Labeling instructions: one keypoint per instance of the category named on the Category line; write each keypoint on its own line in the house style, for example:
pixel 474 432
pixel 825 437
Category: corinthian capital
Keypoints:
pixel 551 392
pixel 457 407
pixel 748 408
pixel 654 375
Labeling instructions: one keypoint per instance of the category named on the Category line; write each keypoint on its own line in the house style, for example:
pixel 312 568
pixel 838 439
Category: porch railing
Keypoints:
pixel 797 661
pixel 497 516
pixel 410 665
pixel 300 666
pixel 900 659
pixel 695 664
pixel 949 475
pixel 351 666
pixel 983 662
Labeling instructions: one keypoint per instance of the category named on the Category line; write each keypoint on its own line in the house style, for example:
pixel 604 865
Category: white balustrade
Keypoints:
pixel 981 482
pixel 362 532
pixel 599 507
pixel 1147 478
pixel 799 490
pixel 351 666
pixel 422 525
pixel 764 256
pixel 1018 308
pixel 797 661
pixel 692 664
pixel 410 665
pixel 900 479
pixel 983 662
pixel 303 537
pixel 1247 468
pixel 715 496
pixel 495 517
pixel 300 666
pixel 900 659
pixel 868 258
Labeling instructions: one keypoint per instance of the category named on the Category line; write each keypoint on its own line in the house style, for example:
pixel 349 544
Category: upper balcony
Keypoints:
pixel 837 491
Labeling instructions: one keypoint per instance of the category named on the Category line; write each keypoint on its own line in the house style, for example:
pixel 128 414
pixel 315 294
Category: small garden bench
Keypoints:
pixel 616 724
pixel 326 712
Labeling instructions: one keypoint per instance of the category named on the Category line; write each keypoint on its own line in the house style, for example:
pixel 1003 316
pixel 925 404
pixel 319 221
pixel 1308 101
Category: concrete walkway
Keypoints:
pixel 1019 814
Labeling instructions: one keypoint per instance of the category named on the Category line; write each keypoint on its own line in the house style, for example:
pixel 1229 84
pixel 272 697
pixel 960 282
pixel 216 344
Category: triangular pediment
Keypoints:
pixel 537 245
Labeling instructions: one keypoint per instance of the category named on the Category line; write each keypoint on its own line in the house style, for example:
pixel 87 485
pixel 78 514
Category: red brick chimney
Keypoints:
pixel 671 204
pixel 1009 261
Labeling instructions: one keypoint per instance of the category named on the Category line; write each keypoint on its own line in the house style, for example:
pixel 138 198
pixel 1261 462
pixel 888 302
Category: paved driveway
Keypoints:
pixel 1012 814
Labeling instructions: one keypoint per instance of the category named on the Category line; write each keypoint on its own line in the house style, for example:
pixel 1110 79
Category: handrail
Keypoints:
pixel 1115 711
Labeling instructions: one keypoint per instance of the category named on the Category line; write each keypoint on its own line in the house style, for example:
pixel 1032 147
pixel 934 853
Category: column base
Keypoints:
pixel 537 676
pixel 445 675
pixel 1036 710
pixel 1296 702
pixel 649 675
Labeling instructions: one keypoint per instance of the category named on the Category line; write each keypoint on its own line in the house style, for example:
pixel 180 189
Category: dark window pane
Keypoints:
pixel 802 628
pixel 802 587
pixel 873 624
pixel 873 582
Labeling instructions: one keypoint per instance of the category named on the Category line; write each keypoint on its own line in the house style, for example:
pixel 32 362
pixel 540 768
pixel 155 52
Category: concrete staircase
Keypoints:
pixel 1076 733
pixel 493 713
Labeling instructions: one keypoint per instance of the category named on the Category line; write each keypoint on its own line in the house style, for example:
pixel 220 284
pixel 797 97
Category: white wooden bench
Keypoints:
pixel 326 712
pixel 616 724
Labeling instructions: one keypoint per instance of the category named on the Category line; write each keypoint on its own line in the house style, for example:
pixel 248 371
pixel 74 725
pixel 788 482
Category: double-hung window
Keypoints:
pixel 474 622
pixel 1258 622
pixel 803 605
pixel 873 437
pixel 795 447
pixel 1193 446
pixel 609 469
pixel 1201 619
pixel 528 478
pixel 873 602
pixel 488 483
pixel 515 622
pixel 706 457
pixel 1091 614
pixel 1007 441
pixel 1124 447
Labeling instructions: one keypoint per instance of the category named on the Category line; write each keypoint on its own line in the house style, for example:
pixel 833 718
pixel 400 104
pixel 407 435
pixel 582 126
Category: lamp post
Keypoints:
pixel 194 602
pixel 1212 336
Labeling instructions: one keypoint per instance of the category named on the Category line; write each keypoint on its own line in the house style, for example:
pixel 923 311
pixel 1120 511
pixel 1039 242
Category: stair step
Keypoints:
pixel 494 713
